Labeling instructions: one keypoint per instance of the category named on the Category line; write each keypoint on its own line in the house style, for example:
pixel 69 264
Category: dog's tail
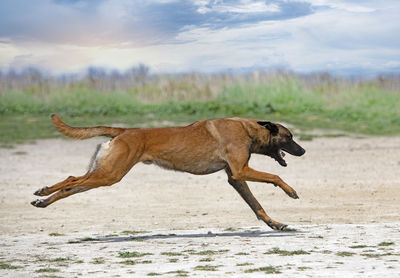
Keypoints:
pixel 84 132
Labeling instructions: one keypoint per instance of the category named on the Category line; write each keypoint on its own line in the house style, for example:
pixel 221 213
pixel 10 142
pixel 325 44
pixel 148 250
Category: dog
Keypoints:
pixel 201 148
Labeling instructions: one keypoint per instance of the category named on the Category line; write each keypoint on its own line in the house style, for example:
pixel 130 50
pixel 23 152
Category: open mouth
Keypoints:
pixel 279 157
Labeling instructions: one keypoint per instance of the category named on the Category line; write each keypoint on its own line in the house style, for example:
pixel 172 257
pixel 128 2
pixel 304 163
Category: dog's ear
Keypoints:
pixel 273 128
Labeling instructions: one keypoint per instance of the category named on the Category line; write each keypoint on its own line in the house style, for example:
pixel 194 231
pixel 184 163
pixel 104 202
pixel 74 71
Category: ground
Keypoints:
pixel 159 222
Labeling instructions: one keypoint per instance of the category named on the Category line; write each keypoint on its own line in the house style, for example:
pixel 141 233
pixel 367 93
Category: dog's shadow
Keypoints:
pixel 251 234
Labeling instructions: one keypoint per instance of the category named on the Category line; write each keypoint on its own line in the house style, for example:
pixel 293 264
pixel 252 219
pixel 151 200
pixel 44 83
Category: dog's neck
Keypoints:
pixel 260 141
pixel 259 148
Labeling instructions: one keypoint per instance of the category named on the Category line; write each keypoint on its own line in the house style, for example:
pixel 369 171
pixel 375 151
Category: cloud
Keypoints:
pixel 201 35
pixel 134 23
pixel 349 6
pixel 330 39
pixel 242 7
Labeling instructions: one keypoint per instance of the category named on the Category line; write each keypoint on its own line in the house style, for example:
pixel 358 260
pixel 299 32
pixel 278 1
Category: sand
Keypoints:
pixel 348 189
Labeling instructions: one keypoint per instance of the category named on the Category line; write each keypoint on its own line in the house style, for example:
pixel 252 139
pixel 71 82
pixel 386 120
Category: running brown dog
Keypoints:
pixel 201 148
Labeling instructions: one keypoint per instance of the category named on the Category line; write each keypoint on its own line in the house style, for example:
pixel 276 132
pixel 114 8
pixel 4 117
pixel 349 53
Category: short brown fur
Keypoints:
pixel 201 148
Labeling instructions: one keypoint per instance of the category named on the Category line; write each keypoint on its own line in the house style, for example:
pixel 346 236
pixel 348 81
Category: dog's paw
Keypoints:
pixel 293 195
pixel 39 203
pixel 41 191
pixel 276 226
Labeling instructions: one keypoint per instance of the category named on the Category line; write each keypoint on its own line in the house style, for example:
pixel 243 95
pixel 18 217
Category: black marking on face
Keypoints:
pixel 273 128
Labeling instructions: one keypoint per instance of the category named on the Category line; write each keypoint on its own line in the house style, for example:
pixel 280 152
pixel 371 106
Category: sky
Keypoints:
pixel 175 36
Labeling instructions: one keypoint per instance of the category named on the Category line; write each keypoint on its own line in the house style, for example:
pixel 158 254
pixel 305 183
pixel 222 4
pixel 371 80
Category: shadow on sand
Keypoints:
pixel 266 234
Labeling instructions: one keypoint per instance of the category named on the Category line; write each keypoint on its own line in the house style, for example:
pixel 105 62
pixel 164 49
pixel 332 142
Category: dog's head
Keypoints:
pixel 281 140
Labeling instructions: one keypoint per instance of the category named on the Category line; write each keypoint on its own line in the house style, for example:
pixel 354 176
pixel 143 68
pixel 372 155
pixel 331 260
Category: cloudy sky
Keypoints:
pixel 348 37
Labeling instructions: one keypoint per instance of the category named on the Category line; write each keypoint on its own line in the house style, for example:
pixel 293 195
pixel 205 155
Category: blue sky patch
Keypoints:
pixel 201 35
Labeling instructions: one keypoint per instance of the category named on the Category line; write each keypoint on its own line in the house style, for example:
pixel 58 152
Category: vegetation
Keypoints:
pixel 127 232
pixel 208 252
pixel 206 260
pixel 344 254
pixel 359 246
pixel 48 269
pixel 172 253
pixel 386 243
pixel 207 267
pixel 7 266
pixel 266 269
pixel 131 262
pixel 132 254
pixel 135 97
pixel 285 252
pixel 56 234
pixel 243 264
pixel 178 272
pixel 99 260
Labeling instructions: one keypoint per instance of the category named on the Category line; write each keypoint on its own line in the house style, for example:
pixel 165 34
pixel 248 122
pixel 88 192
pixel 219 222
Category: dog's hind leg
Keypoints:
pixel 110 168
pixel 92 180
pixel 44 191
pixel 243 189
pixel 42 203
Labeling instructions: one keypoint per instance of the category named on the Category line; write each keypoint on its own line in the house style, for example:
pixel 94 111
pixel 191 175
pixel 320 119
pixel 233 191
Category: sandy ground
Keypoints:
pixel 346 221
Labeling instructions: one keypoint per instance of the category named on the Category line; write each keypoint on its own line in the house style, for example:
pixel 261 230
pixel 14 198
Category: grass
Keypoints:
pixel 111 235
pixel 172 253
pixel 265 269
pixel 20 153
pixel 134 262
pixel 365 107
pixel 128 262
pixel 319 237
pixel 359 246
pixel 56 234
pixel 208 252
pixel 47 269
pixel 6 146
pixel 288 230
pixel 244 264
pixel 206 260
pixel 180 273
pixel 60 259
pixel 84 239
pixel 8 266
pixel 127 232
pixel 386 243
pixel 280 252
pixel 344 254
pixel 99 260
pixel 207 267
pixel 303 268
pixel 377 255
pixel 133 254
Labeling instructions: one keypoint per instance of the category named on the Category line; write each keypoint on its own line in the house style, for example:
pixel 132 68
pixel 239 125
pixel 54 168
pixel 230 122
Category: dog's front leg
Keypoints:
pixel 249 174
pixel 238 163
pixel 243 189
